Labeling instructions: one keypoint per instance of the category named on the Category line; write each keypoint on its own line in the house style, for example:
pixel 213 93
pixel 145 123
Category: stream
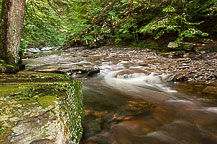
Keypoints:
pixel 144 109
pixel 130 100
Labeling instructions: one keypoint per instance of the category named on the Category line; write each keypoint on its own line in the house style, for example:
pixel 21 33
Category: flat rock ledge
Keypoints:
pixel 39 112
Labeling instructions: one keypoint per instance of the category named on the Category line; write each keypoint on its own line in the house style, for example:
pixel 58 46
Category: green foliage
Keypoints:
pixel 2 61
pixel 43 25
pixel 169 9
pixel 107 19
pixel 172 21
pixel 58 23
pixel 11 66
pixel 126 20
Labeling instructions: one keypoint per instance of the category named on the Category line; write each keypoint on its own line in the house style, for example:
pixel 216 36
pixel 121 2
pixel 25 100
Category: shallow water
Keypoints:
pixel 136 107
pixel 144 109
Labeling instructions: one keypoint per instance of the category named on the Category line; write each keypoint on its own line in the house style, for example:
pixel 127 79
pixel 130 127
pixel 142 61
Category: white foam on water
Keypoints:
pixel 162 136
pixel 83 62
pixel 107 68
pixel 210 109
pixel 142 80
pixel 180 101
pixel 124 62
pixel 76 63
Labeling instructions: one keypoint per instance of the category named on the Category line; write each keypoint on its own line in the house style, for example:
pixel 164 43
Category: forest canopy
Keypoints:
pixel 92 23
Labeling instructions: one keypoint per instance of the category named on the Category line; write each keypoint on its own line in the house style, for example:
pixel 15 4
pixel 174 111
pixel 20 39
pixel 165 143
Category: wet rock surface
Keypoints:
pixel 34 110
pixel 199 68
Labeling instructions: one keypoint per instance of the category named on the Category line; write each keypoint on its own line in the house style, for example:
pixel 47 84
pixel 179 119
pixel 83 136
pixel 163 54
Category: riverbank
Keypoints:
pixel 142 87
pixel 193 68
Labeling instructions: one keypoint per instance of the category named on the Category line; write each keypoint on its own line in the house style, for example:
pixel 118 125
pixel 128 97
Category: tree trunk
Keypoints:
pixel 11 26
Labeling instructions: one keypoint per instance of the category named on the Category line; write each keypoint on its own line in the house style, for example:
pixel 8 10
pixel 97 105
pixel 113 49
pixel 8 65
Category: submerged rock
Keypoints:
pixel 210 90
pixel 84 72
pixel 41 112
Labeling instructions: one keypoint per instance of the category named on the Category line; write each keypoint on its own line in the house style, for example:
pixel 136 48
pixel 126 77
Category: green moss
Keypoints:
pixel 33 77
pixel 47 101
pixel 75 110
pixel 11 89
pixel 40 110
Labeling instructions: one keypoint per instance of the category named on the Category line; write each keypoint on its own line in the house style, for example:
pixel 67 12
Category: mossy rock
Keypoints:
pixel 187 47
pixel 41 112
pixel 25 76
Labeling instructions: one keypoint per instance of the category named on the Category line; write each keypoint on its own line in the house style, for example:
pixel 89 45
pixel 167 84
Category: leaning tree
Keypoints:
pixel 11 25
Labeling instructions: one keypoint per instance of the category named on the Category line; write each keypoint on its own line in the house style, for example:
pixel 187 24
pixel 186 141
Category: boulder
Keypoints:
pixel 187 47
pixel 36 112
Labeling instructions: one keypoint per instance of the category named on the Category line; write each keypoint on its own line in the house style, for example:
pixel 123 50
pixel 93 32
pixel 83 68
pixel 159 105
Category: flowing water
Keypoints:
pixel 144 109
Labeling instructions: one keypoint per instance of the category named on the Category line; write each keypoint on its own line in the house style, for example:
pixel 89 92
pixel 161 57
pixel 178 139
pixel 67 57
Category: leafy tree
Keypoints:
pixel 136 19
pixel 44 25
pixel 93 23
pixel 172 21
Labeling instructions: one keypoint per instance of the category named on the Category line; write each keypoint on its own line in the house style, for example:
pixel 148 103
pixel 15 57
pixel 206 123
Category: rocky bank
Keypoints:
pixel 194 68
pixel 40 108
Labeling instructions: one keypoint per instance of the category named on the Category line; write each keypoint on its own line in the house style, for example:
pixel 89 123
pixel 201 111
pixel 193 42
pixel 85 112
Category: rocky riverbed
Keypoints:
pixel 195 72
pixel 39 94
pixel 198 69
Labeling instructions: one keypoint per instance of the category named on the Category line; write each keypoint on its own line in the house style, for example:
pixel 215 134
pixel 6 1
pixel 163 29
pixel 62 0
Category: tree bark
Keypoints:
pixel 11 26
